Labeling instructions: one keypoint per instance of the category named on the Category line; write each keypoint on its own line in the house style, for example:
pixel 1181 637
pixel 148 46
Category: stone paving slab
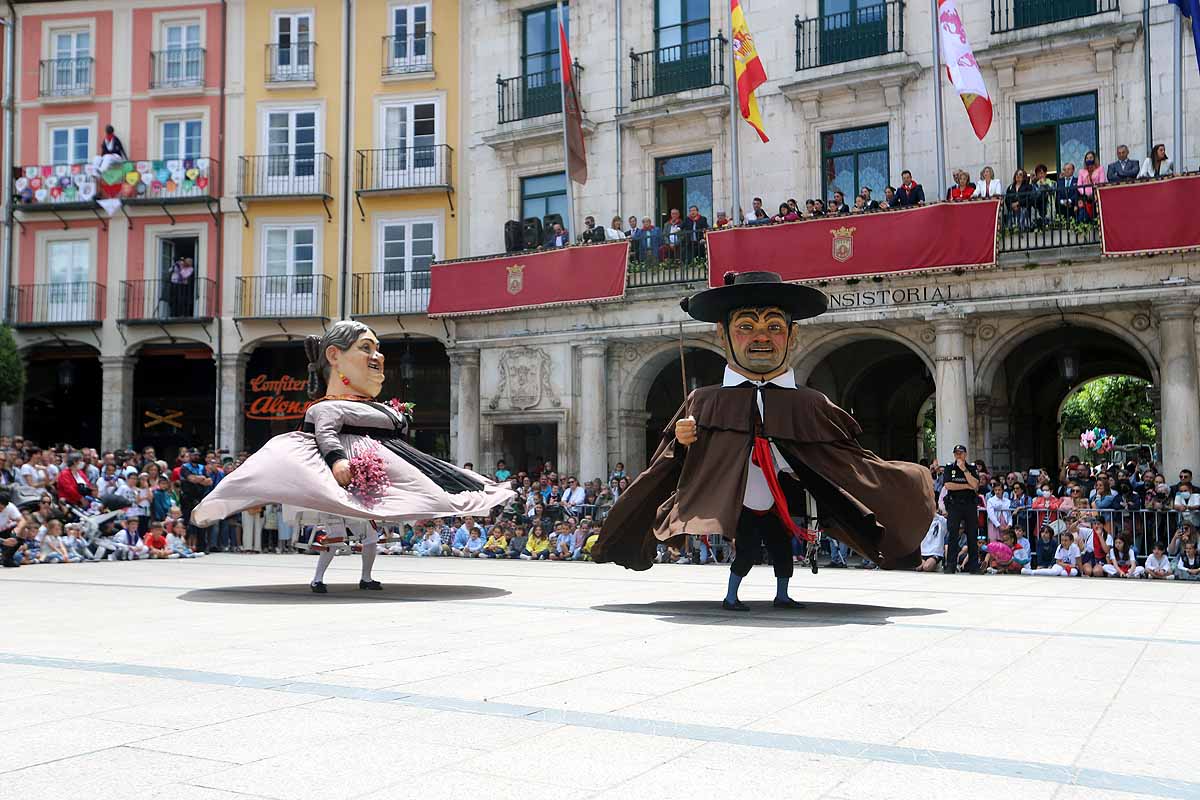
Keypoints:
pixel 225 678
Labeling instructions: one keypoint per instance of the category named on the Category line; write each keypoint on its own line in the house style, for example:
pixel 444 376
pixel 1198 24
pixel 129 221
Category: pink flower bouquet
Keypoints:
pixel 368 476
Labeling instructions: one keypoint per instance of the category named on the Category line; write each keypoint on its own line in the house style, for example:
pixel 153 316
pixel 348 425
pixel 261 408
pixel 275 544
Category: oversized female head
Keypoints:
pixel 346 360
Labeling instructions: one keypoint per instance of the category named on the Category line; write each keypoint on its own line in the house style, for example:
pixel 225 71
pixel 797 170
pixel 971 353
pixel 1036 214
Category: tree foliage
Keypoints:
pixel 12 369
pixel 1119 403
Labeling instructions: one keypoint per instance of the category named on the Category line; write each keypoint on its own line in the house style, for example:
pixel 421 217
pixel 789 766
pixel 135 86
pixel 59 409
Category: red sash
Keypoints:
pixel 764 459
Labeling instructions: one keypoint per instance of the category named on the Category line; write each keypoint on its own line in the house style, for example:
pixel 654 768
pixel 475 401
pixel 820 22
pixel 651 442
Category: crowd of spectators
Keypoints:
pixel 61 505
pixel 1095 520
pixel 1030 203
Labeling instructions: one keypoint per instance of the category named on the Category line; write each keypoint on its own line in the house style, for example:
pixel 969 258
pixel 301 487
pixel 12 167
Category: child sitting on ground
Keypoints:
pixel 1000 554
pixel 1122 560
pixel 1066 559
pixel 1158 566
pixel 497 544
pixel 156 543
pixel 1187 567
pixel 177 541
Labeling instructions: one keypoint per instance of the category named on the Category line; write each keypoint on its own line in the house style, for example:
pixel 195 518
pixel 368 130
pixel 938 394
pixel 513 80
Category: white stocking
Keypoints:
pixel 370 544
pixel 323 562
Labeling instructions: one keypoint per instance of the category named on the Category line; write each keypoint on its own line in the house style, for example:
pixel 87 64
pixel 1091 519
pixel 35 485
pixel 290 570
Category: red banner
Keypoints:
pixel 567 276
pixel 1148 217
pixel 942 236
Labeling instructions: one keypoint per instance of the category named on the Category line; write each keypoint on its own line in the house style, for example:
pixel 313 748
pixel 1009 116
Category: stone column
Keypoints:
pixel 232 389
pixel 116 402
pixel 465 394
pixel 951 381
pixel 633 440
pixel 1180 399
pixel 593 417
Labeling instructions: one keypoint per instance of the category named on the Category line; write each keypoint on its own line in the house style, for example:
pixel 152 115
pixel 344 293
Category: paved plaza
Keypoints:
pixel 225 679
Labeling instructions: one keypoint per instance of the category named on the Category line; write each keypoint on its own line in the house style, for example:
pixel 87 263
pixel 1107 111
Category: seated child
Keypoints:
pixel 1122 560
pixel 1066 559
pixel 1187 567
pixel 1158 566
pixel 177 541
pixel 999 557
pixel 496 545
pixel 156 543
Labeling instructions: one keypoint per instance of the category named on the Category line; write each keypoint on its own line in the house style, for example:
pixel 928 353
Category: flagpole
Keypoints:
pixel 564 73
pixel 734 113
pixel 1177 89
pixel 937 103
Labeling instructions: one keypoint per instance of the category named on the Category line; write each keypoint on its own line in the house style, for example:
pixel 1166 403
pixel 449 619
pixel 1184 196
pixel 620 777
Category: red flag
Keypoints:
pixel 572 116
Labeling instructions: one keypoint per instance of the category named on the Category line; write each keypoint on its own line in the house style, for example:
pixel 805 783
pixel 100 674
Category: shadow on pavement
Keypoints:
pixel 763 615
pixel 288 594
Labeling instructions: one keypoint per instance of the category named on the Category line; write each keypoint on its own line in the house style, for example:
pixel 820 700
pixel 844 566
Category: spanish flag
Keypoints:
pixel 747 69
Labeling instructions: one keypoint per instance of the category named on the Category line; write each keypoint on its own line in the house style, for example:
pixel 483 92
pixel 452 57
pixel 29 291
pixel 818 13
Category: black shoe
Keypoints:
pixel 373 585
pixel 318 587
pixel 11 564
pixel 787 603
pixel 737 605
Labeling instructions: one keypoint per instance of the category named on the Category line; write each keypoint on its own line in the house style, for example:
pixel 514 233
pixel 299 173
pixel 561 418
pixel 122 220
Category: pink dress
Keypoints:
pixel 294 469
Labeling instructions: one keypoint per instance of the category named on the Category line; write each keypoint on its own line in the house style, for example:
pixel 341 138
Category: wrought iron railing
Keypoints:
pixel 179 68
pixel 1011 15
pixel 667 70
pixel 283 296
pixel 1042 219
pixel 399 168
pixel 389 293
pixel 535 94
pixel 285 175
pixel 869 30
pixel 662 257
pixel 406 54
pixel 159 300
pixel 38 304
pixel 292 63
pixel 66 77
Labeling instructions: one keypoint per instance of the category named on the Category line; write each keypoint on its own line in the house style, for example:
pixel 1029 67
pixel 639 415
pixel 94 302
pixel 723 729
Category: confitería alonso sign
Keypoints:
pixel 912 295
pixel 279 398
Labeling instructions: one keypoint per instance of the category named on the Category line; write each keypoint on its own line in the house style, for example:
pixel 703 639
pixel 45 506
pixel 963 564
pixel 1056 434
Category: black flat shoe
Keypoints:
pixel 788 603
pixel 372 585
pixel 736 606
pixel 318 588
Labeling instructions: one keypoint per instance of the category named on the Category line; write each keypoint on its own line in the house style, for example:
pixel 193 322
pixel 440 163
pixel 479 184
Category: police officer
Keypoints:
pixel 961 480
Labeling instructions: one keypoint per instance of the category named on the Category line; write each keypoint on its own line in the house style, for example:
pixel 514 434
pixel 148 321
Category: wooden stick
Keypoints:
pixel 682 363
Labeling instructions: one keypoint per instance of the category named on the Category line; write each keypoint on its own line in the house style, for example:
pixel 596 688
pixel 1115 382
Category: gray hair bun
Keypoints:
pixel 341 335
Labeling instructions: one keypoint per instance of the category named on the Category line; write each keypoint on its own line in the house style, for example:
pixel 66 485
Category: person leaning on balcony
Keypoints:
pixel 614 233
pixel 988 184
pixel 1045 189
pixel 1157 164
pixel 786 214
pixel 723 221
pixel 868 203
pixel 910 192
pixel 1066 191
pixel 694 227
pixel 1018 199
pixel 838 206
pixel 645 241
pixel 1091 175
pixel 1124 168
pixel 962 189
pixel 111 149
pixel 557 238
pixel 758 214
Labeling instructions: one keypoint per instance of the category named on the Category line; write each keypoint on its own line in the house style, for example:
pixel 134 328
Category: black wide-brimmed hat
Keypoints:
pixel 755 290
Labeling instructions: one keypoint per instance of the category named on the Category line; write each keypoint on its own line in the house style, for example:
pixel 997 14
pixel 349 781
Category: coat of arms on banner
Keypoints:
pixel 843 244
pixel 516 278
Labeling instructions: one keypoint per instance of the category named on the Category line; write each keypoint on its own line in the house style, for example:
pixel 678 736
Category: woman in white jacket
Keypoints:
pixel 1157 164
pixel 988 185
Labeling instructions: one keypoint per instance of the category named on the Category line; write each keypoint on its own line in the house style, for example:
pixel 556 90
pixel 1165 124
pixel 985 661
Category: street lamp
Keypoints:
pixel 408 367
pixel 1068 366
pixel 66 374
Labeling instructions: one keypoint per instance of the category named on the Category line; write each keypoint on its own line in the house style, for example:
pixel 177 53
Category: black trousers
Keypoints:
pixel 962 514
pixel 7 553
pixel 754 531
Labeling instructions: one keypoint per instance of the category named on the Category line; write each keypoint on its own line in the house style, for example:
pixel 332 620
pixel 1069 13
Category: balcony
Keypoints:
pixel 65 78
pixel 536 94
pixel 283 297
pixel 55 188
pixel 158 301
pixel 1044 223
pixel 402 170
pixel 407 55
pixel 56 305
pixel 678 68
pixel 284 175
pixel 390 293
pixel 180 68
pixel 294 63
pixel 1011 15
pixel 869 30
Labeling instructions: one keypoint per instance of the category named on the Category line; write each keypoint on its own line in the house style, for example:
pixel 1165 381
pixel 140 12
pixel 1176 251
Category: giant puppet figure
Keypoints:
pixel 310 470
pixel 737 458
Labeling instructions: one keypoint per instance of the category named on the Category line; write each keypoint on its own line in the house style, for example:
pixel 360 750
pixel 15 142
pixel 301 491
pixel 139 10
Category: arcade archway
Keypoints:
pixel 704 368
pixel 63 395
pixel 885 386
pixel 174 387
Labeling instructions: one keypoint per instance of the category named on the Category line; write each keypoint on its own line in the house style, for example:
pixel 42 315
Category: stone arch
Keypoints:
pixel 1003 346
pixel 819 349
pixel 650 364
pixel 133 346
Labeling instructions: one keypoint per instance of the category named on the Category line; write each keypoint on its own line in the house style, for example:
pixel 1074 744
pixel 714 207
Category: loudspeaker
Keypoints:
pixel 531 230
pixel 514 237
pixel 550 220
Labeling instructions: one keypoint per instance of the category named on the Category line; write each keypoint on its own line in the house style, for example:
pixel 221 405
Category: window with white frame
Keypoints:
pixel 70 144
pixel 68 270
pixel 409 137
pixel 181 61
pixel 410 49
pixel 406 253
pixel 71 67
pixel 293 59
pixel 292 152
pixel 182 139
pixel 289 282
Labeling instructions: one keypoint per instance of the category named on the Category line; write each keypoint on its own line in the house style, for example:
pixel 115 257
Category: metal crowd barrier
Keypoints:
pixel 1145 526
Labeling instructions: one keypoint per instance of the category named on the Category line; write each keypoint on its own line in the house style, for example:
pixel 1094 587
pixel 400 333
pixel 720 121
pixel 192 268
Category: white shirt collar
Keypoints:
pixel 786 380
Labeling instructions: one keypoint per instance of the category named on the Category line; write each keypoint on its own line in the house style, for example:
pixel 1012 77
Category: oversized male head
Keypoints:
pixel 756 314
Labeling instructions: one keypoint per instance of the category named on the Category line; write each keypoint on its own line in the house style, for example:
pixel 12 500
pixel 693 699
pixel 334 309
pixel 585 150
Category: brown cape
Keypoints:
pixel 880 508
